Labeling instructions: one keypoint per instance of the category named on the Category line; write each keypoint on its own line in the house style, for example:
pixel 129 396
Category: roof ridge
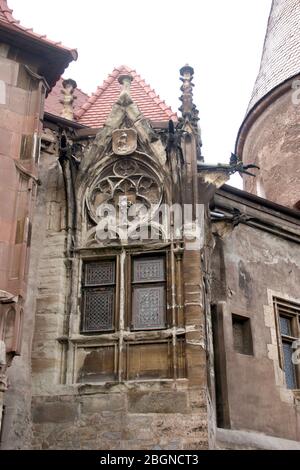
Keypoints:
pixel 110 79
pixel 99 90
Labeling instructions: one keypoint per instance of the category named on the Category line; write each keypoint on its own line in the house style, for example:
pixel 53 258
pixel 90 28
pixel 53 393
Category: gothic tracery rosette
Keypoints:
pixel 128 185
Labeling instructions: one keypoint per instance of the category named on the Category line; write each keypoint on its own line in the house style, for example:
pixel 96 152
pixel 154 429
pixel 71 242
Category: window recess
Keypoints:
pixel 242 336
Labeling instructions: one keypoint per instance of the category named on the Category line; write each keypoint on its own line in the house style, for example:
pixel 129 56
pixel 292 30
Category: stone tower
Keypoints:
pixel 30 65
pixel 270 132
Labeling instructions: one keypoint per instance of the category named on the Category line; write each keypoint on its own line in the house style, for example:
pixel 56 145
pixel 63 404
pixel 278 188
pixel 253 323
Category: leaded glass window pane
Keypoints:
pixel 148 270
pixel 98 310
pixel 149 307
pixel 98 296
pixel 285 326
pixel 289 367
pixel 100 273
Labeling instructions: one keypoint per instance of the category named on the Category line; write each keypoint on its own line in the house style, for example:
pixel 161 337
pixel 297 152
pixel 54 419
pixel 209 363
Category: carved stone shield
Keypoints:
pixel 124 141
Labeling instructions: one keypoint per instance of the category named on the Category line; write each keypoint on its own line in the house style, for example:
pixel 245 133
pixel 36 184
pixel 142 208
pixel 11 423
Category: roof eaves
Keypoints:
pixel 10 23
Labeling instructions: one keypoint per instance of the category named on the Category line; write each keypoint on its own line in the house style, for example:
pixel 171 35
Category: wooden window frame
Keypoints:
pixel 85 287
pixel 123 300
pixel 290 310
pixel 130 284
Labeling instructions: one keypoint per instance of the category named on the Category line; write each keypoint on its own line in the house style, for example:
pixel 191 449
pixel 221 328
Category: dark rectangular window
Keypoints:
pixel 148 293
pixel 242 337
pixel 99 285
pixel 288 317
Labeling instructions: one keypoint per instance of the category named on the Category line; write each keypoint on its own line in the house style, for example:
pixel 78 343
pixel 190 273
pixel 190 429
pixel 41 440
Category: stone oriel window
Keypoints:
pixel 242 337
pixel 99 290
pixel 288 331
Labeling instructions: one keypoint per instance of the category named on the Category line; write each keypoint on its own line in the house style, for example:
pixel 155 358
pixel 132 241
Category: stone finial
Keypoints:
pixel 125 98
pixel 188 109
pixel 125 80
pixel 69 86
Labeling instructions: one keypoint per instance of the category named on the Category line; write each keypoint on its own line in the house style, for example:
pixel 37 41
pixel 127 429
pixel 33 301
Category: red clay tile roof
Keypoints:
pixel 54 57
pixel 97 108
pixel 53 105
pixel 7 18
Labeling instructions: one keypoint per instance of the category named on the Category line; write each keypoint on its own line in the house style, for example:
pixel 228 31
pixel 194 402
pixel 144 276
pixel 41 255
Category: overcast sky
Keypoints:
pixel 221 39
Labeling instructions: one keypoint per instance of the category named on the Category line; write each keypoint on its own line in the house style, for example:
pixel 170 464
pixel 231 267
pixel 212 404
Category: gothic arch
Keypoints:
pixel 136 176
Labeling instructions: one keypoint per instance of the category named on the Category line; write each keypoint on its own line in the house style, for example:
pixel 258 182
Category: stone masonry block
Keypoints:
pixel 157 402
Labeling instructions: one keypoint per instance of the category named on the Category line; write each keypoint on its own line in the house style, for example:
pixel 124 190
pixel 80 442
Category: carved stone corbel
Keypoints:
pixel 7 297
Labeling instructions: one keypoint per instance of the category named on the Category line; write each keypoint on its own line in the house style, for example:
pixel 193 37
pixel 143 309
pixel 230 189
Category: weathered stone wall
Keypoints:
pixel 133 416
pixel 20 126
pixel 17 423
pixel 251 266
pixel 272 143
pixel 52 279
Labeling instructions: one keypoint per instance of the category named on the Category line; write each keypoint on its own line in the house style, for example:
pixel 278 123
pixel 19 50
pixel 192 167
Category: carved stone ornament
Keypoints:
pixel 69 86
pixel 126 177
pixel 124 141
pixel 128 194
pixel 7 297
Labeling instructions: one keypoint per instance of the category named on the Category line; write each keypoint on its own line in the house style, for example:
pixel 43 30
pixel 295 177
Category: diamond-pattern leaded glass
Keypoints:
pixel 149 307
pixel 98 310
pixel 285 325
pixel 99 273
pixel 289 367
pixel 148 270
